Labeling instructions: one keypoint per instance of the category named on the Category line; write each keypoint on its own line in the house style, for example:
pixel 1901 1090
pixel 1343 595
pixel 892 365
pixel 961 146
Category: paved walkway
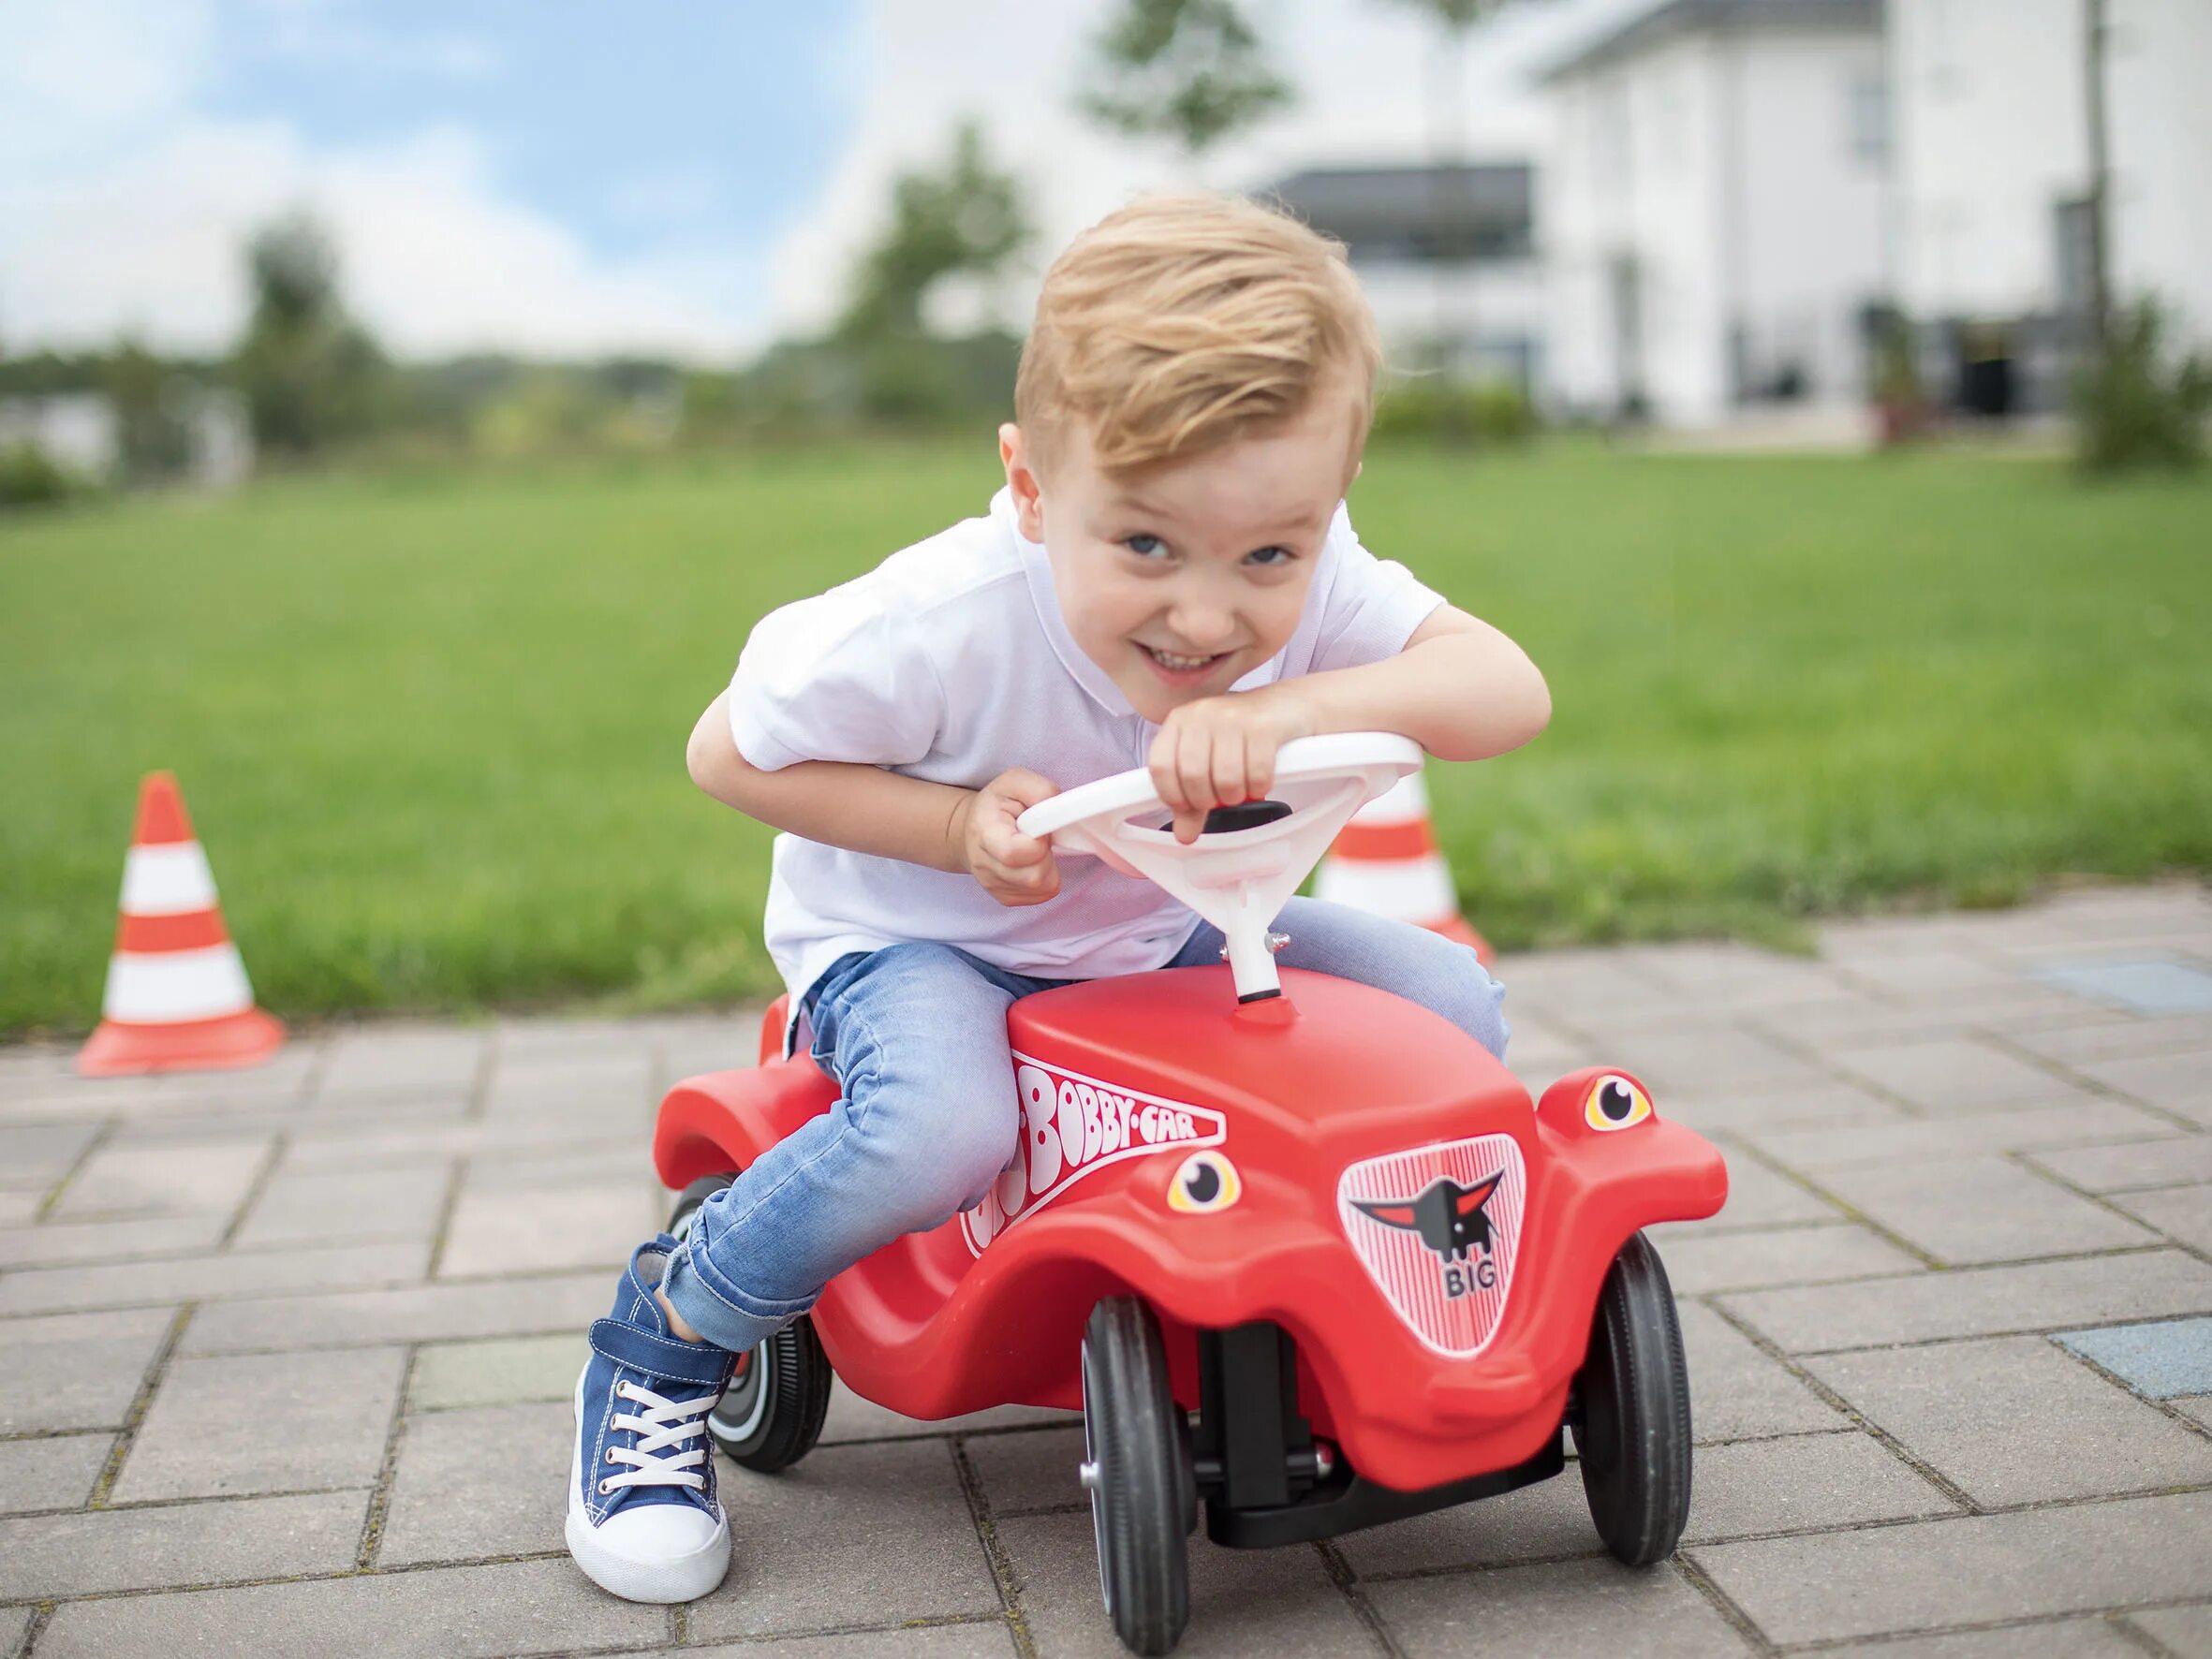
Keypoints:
pixel 284 1356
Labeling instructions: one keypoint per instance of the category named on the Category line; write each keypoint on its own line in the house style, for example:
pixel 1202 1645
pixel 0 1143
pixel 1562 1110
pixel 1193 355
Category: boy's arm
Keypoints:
pixel 866 809
pixel 1460 689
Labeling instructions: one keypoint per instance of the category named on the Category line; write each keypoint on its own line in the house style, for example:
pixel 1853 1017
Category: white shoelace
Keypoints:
pixel 662 1426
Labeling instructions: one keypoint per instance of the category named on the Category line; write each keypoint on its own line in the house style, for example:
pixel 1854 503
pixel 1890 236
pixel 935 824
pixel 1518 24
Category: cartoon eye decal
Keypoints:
pixel 1615 1103
pixel 1205 1182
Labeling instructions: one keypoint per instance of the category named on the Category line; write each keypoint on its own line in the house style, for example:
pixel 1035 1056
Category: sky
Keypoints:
pixel 569 178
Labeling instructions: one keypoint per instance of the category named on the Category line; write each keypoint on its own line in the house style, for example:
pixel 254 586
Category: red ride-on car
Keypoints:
pixel 1296 1247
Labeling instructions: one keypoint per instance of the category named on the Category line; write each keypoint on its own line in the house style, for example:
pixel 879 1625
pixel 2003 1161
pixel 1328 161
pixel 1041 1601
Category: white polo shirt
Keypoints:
pixel 950 661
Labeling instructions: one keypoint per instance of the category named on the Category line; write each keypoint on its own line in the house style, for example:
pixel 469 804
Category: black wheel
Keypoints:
pixel 1137 1465
pixel 1632 1429
pixel 771 1414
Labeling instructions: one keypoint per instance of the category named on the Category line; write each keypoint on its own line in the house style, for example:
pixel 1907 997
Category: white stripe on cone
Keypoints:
pixel 171 879
pixel 1402 802
pixel 1405 889
pixel 175 986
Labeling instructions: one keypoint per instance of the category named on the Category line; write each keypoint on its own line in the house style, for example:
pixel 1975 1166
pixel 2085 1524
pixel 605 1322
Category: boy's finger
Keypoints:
pixel 1194 770
pixel 1230 768
pixel 1025 786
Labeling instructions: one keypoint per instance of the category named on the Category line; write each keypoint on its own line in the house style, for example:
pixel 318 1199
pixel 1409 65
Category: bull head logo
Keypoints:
pixel 1449 1217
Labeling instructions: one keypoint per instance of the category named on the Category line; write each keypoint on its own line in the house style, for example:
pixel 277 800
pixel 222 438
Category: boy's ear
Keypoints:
pixel 1013 454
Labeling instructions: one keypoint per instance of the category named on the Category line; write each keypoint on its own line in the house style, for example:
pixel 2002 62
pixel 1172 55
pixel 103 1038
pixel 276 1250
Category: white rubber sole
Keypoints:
pixel 683 1578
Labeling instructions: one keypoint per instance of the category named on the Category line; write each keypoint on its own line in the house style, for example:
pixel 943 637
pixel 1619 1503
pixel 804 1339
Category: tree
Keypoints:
pixel 1190 70
pixel 968 220
pixel 309 372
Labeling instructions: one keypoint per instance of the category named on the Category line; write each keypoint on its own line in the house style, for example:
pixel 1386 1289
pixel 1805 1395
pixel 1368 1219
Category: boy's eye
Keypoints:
pixel 1269 556
pixel 1146 545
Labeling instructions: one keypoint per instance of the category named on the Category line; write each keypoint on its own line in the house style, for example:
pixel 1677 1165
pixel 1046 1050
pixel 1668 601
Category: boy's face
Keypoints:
pixel 1181 579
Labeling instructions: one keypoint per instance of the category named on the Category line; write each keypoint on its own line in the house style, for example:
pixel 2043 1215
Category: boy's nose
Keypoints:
pixel 1203 630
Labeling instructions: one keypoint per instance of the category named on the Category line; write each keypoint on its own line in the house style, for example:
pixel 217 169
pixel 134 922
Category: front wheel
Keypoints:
pixel 1632 1432
pixel 1136 1464
pixel 772 1412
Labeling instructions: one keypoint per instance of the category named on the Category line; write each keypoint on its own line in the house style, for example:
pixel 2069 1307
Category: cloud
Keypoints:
pixel 125 206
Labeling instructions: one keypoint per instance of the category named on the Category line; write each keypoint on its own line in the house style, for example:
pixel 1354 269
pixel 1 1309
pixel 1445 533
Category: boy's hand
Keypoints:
pixel 1220 750
pixel 1013 868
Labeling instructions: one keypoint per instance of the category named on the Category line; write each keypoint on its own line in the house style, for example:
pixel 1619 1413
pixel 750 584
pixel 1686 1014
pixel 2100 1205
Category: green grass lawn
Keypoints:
pixel 432 728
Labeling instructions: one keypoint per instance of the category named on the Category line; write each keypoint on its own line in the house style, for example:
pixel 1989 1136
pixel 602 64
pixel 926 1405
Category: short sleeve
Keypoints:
pixel 1372 605
pixel 841 676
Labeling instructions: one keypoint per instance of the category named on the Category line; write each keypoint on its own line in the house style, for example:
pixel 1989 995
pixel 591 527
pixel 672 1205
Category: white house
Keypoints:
pixel 1711 209
pixel 1445 255
pixel 1992 171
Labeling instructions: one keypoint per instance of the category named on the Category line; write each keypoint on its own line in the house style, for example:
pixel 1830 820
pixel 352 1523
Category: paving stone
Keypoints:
pixel 2183 1213
pixel 178 1543
pixel 1028 1470
pixel 349 1148
pixel 1737 1391
pixel 1708 1057
pixel 389 1060
pixel 56 1472
pixel 266 1423
pixel 501 1371
pixel 1981 1210
pixel 19 1208
pixel 2148 986
pixel 1574 1606
pixel 1547 1521
pixel 33 1157
pixel 1700 1262
pixel 2167 1359
pixel 328 1209
pixel 491 1480
pixel 2057 1639
pixel 1760 1196
pixel 1952 1074
pixel 2197 1406
pixel 614 1080
pixel 1829 1106
pixel 852 1534
pixel 429 1312
pixel 1803 1481
pixel 532 1606
pixel 1978 1301
pixel 590 1225
pixel 1921 1574
pixel 2187 1631
pixel 2017 1421
pixel 109 1239
pixel 626 1163
pixel 2178 1083
pixel 14 1622
pixel 207 1278
pixel 76 1370
pixel 1266 1603
pixel 2116 1039
pixel 2177 1160
pixel 1967 1136
pixel 982 1639
pixel 140 1175
pixel 854 1418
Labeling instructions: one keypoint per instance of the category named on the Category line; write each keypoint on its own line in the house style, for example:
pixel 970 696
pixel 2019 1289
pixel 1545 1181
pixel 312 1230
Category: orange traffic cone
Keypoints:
pixel 1385 862
pixel 177 993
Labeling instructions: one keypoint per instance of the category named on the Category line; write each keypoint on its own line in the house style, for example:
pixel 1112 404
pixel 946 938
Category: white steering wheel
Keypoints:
pixel 1239 875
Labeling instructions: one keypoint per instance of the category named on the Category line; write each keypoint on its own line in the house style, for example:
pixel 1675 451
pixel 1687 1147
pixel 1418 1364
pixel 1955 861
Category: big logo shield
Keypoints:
pixel 1437 1227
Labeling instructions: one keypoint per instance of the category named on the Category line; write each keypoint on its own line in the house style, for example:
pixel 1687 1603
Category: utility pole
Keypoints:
pixel 2100 194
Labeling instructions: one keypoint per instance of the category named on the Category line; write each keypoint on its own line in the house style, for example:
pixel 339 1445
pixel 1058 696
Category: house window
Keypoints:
pixel 1867 115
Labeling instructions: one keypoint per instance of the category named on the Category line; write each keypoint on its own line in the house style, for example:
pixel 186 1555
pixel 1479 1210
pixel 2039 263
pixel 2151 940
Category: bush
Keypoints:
pixel 30 478
pixel 1457 411
pixel 2141 405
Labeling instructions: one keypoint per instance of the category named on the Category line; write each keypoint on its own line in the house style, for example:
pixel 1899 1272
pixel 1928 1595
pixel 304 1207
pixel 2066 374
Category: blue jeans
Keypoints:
pixel 915 1036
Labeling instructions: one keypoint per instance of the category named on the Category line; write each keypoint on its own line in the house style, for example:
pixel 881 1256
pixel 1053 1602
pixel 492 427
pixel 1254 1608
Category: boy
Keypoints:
pixel 1169 580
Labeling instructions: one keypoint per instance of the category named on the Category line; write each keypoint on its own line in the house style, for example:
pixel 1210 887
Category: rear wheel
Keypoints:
pixel 1136 1464
pixel 771 1414
pixel 1632 1429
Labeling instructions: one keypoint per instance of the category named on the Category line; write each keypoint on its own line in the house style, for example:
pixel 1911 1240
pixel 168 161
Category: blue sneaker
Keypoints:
pixel 643 1517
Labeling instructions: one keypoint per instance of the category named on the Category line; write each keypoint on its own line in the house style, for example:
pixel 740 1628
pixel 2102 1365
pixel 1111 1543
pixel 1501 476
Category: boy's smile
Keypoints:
pixel 1180 580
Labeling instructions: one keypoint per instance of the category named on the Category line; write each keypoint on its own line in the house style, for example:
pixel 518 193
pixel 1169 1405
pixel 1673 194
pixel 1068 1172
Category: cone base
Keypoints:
pixel 1457 930
pixel 235 1040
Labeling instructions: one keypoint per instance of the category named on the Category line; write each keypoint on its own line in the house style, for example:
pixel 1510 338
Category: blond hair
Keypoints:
pixel 1183 322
